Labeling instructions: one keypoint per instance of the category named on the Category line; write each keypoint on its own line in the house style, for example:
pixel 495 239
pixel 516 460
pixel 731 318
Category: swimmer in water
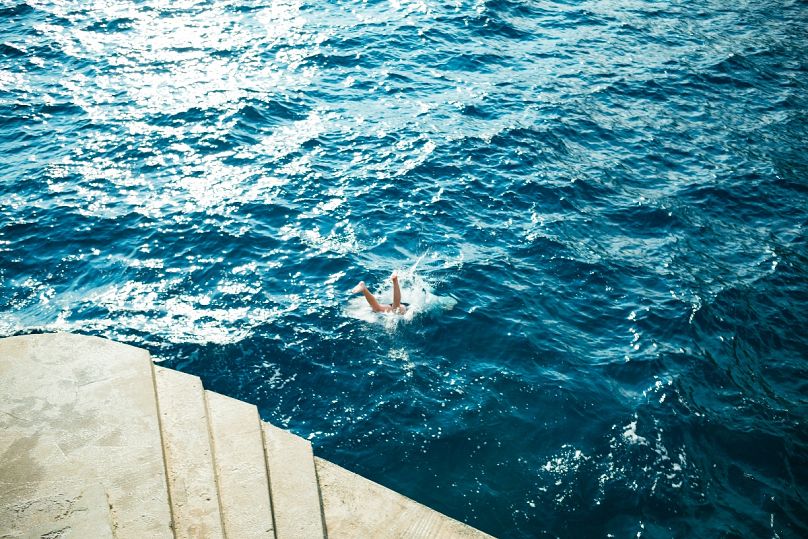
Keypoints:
pixel 396 307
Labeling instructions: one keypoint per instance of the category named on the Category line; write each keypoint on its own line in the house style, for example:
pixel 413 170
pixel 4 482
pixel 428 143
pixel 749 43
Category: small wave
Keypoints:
pixel 18 9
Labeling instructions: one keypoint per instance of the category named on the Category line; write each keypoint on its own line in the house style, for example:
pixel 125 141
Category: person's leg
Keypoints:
pixel 397 306
pixel 375 305
pixel 396 291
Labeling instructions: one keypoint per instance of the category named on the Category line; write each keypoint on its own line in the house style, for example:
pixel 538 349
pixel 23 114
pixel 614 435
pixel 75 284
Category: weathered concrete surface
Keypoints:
pixel 70 510
pixel 189 459
pixel 82 407
pixel 295 494
pixel 241 472
pixel 357 507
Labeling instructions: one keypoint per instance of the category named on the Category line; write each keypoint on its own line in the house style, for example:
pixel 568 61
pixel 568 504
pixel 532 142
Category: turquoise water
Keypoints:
pixel 598 210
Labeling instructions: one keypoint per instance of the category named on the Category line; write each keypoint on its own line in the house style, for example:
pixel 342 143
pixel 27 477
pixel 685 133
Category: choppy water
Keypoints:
pixel 599 210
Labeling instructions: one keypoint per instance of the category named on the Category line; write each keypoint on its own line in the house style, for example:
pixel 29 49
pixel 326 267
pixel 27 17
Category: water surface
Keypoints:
pixel 610 195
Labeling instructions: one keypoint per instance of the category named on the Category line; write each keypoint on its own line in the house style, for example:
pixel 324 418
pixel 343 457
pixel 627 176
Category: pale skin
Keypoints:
pixel 395 307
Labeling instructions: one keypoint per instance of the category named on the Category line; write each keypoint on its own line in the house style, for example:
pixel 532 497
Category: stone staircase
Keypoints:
pixel 96 441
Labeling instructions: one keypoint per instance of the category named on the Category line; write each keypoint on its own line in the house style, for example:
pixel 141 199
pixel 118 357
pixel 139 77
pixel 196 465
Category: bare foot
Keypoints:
pixel 359 288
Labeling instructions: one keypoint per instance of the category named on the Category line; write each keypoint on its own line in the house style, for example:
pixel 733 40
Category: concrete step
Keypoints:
pixel 357 507
pixel 241 471
pixel 189 458
pixel 83 407
pixel 68 510
pixel 293 481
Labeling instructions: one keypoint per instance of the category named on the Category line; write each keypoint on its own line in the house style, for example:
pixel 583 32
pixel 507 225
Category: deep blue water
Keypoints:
pixel 613 195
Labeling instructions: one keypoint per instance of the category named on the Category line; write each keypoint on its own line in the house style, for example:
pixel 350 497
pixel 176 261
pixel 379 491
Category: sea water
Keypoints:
pixel 598 210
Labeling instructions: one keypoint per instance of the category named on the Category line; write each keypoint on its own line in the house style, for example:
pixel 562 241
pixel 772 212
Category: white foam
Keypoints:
pixel 631 436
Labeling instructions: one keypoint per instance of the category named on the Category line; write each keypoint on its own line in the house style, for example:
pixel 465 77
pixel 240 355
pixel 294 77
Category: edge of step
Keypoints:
pixel 192 487
pixel 240 466
pixel 293 484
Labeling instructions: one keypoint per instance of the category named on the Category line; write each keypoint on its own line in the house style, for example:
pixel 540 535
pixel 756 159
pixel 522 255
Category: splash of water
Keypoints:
pixel 417 293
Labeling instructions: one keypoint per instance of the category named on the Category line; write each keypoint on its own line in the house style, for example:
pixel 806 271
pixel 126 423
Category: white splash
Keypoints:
pixel 631 436
pixel 416 293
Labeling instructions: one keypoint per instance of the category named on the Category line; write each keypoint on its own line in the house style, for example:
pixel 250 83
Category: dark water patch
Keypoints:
pixel 16 10
pixel 334 60
pixel 644 220
pixel 529 136
pixel 474 62
pixel 259 114
pixel 8 50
